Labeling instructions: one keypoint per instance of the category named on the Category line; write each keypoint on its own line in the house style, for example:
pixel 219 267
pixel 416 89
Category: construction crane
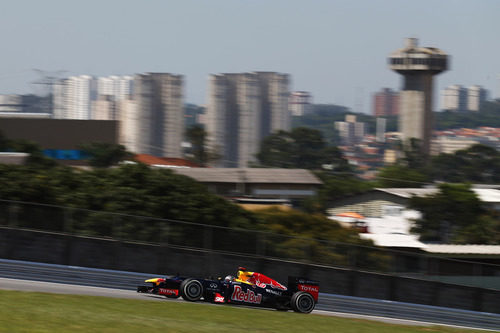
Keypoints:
pixel 48 79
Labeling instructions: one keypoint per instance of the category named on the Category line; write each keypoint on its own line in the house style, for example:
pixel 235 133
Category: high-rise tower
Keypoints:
pixel 244 108
pixel 418 65
pixel 159 114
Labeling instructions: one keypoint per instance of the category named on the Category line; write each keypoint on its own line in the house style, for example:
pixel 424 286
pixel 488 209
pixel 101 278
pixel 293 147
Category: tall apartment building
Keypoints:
pixel 454 98
pixel 350 131
pixel 104 108
pixel 158 114
pixel 386 103
pixel 72 97
pixel 381 124
pixel 476 96
pixel 119 87
pixel 300 103
pixel 128 132
pixel 459 98
pixel 82 97
pixel 244 108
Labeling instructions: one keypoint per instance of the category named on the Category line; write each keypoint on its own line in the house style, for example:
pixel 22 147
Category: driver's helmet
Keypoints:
pixel 229 278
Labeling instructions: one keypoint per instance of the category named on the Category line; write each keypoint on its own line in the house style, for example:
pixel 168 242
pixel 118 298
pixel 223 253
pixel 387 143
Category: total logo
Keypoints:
pixel 248 296
pixel 164 291
pixel 309 288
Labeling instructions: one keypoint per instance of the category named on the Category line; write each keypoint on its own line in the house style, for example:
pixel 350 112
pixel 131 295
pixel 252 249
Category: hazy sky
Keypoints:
pixel 335 49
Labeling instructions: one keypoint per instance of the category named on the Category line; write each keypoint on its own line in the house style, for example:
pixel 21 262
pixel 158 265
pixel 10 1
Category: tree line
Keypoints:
pixel 136 202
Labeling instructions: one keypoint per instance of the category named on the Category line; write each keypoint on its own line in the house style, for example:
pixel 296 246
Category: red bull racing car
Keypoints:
pixel 247 288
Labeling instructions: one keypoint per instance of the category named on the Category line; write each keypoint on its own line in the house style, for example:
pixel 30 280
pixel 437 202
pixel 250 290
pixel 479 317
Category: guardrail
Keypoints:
pixel 328 302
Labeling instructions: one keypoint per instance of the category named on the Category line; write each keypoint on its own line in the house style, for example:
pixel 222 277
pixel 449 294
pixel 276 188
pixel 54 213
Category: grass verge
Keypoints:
pixel 41 312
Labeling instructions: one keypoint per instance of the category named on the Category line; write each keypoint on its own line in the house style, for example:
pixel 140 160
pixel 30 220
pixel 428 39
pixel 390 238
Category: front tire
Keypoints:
pixel 302 302
pixel 191 290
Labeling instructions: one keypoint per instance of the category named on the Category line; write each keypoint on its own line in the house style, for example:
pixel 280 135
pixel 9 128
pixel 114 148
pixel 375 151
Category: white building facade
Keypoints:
pixel 454 98
pixel 476 96
pixel 85 97
pixel 300 103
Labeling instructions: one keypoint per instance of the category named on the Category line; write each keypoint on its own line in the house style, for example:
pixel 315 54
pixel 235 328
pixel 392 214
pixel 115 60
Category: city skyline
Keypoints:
pixel 335 50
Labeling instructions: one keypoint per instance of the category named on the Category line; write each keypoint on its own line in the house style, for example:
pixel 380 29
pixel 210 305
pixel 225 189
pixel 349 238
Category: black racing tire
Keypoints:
pixel 302 302
pixel 191 290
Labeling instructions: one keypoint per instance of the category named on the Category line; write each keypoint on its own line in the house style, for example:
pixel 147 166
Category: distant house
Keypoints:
pixel 387 221
pixel 257 183
pixel 376 202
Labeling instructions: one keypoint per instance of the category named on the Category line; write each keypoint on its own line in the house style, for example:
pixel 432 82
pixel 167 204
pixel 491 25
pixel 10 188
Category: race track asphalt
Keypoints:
pixel 61 288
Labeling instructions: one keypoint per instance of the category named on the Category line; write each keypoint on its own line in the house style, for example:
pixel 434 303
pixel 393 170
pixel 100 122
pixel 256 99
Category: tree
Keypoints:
pixel 455 215
pixel 36 156
pixel 303 147
pixel 336 186
pixel 316 237
pixel 477 164
pixel 401 176
pixel 197 136
pixel 103 155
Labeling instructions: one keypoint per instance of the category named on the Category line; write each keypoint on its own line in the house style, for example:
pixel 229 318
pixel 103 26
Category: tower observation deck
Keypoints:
pixel 418 65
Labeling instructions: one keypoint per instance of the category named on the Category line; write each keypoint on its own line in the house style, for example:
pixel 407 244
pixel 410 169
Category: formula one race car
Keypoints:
pixel 247 288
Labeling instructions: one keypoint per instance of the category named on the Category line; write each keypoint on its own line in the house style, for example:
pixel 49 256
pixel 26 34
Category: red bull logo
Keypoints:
pixel 248 297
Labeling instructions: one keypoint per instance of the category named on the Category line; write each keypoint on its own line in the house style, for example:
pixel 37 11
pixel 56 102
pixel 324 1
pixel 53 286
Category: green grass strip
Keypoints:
pixel 42 312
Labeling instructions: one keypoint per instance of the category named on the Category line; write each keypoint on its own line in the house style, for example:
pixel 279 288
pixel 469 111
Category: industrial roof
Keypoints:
pixel 250 175
pixel 484 194
pixel 462 249
pixel 394 240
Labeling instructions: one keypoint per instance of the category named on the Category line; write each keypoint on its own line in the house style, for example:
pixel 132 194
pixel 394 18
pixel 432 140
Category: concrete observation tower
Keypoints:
pixel 417 65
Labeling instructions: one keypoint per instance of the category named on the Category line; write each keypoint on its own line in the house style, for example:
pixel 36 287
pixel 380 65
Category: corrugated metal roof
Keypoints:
pixel 484 194
pixel 251 175
pixel 463 249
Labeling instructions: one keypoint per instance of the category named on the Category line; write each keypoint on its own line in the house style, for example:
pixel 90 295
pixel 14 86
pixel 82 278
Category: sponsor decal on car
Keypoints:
pixel 218 298
pixel 248 297
pixel 310 289
pixel 274 292
pixel 313 290
pixel 168 292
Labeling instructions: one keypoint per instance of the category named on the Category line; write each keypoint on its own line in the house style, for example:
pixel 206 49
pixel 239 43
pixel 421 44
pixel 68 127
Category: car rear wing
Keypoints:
pixel 304 284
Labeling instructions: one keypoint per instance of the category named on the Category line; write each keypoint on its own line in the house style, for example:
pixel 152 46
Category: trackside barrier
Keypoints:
pixel 118 227
pixel 102 253
pixel 328 302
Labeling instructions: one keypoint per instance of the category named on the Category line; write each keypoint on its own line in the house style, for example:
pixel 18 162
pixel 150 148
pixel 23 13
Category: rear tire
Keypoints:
pixel 191 290
pixel 302 302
